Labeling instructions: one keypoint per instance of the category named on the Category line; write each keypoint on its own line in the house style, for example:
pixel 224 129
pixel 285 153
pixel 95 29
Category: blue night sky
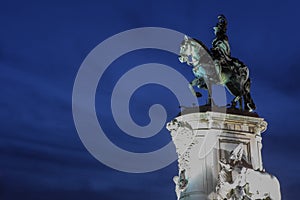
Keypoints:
pixel 42 45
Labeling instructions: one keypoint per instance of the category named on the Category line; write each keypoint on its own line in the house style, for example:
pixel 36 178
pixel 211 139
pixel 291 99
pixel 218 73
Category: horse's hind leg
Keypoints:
pixel 234 90
pixel 249 103
pixel 241 103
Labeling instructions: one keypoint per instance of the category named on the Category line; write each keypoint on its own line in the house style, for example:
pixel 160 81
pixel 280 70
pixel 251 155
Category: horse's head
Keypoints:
pixel 197 55
pixel 184 50
pixel 188 51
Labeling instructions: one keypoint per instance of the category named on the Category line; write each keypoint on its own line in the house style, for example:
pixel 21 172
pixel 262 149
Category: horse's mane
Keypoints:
pixel 202 44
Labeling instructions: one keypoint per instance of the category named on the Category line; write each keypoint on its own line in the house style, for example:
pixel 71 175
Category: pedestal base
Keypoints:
pixel 206 143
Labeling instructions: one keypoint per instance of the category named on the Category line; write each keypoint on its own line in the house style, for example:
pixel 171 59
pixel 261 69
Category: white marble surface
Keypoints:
pixel 204 139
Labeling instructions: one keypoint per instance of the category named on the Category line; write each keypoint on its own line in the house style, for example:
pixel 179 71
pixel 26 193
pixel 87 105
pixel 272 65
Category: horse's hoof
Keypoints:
pixel 251 107
pixel 198 94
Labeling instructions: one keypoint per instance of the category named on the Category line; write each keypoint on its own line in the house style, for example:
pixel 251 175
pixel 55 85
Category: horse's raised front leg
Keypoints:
pixel 210 100
pixel 195 82
pixel 234 102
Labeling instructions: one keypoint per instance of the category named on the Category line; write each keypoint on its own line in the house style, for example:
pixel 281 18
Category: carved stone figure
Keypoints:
pixel 237 182
pixel 181 183
pixel 216 66
pixel 184 138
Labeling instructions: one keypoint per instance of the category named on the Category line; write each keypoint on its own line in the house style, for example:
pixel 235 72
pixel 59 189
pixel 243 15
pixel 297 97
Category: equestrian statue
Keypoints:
pixel 216 66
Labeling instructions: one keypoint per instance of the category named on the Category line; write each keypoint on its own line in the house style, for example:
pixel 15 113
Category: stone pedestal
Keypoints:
pixel 202 140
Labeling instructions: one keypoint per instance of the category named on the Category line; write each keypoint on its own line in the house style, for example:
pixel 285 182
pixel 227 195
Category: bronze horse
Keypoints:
pixel 234 76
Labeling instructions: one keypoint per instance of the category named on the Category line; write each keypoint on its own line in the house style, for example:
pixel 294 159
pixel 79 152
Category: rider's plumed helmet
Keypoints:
pixel 221 26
